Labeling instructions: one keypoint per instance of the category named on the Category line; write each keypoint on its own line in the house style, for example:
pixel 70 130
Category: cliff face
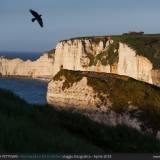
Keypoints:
pixel 134 66
pixel 107 98
pixel 99 54
pixel 103 56
pixel 80 95
pixel 40 68
pixel 79 54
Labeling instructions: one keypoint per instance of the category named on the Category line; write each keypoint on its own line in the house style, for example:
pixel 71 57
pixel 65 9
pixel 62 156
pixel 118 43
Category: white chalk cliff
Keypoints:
pixel 74 55
pixel 81 54
pixel 40 68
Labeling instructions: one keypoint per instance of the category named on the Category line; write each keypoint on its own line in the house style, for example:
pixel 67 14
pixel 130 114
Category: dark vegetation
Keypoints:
pixel 26 129
pixel 109 56
pixel 69 76
pixel 145 45
pixel 123 91
pixel 95 39
pixel 133 33
pixel 51 53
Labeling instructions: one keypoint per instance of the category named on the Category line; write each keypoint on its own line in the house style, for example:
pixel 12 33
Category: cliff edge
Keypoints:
pixel 136 56
pixel 108 98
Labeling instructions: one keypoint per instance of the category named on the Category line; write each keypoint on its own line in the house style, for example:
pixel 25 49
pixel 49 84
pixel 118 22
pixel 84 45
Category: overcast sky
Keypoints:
pixel 72 18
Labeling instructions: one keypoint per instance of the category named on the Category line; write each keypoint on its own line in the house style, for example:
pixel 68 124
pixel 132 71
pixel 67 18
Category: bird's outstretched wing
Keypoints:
pixel 34 13
pixel 40 22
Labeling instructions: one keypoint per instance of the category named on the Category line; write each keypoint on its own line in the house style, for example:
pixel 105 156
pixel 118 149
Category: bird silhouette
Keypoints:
pixel 37 17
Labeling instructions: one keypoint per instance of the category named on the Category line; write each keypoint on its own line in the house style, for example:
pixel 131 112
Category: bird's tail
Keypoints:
pixel 33 19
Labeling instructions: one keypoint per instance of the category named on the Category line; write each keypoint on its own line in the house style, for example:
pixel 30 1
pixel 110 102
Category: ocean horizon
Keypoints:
pixel 22 55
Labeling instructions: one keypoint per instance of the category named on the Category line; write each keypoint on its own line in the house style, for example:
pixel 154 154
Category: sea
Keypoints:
pixel 32 91
pixel 22 55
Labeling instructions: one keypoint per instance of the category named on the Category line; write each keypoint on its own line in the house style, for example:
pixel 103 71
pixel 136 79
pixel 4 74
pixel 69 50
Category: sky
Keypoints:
pixel 64 19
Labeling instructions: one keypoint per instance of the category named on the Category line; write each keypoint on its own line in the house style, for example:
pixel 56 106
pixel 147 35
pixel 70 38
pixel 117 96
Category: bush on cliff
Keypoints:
pixel 144 45
pixel 107 57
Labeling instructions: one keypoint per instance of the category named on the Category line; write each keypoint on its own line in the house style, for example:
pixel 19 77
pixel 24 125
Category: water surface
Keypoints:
pixel 21 55
pixel 33 91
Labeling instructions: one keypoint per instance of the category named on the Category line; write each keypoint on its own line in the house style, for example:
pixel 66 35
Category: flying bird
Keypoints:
pixel 37 17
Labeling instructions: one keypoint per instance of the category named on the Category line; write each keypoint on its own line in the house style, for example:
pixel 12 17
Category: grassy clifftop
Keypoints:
pixel 25 128
pixel 121 89
pixel 123 92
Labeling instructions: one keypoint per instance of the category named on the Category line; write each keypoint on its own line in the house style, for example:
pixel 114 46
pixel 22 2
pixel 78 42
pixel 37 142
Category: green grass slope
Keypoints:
pixel 27 129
